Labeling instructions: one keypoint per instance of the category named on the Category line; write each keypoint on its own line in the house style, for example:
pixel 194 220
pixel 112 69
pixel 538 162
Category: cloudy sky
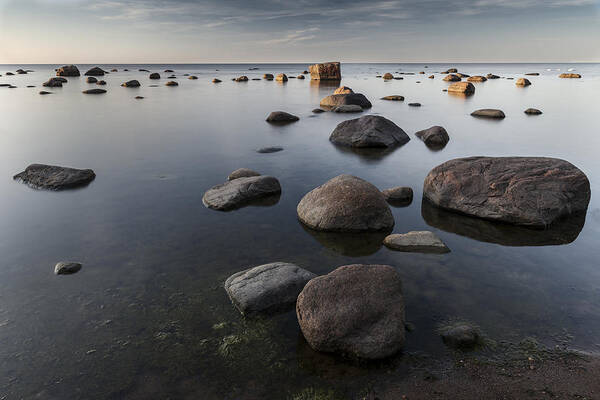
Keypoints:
pixel 170 31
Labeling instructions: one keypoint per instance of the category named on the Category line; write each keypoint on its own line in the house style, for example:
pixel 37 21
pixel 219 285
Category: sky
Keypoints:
pixel 249 31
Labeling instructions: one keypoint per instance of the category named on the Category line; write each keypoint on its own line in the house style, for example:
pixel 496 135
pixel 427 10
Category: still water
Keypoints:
pixel 147 316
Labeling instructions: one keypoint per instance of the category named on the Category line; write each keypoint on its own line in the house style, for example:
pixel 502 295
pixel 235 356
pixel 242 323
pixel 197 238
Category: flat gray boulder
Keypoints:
pixel 416 242
pixel 242 173
pixel 345 204
pixel 240 192
pixel 267 288
pixel 52 177
pixel 435 137
pixel 355 311
pixel 66 268
pixel 369 131
pixel 336 100
pixel 528 191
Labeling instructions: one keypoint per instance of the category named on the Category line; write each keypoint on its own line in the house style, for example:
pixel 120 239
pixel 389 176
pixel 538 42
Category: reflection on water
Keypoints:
pixel 367 154
pixel 564 231
pixel 349 244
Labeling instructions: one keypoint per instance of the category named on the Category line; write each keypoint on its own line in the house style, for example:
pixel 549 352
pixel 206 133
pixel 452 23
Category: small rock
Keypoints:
pixel 460 335
pixel 477 78
pixel 281 78
pixel 171 83
pixel 268 77
pixel 348 108
pixel 416 242
pixel 414 104
pixel 435 137
pixel 216 80
pixel 388 76
pixel 394 97
pixel 522 82
pixel 242 173
pixel 431 76
pixel 492 76
pixel 300 77
pixel 452 78
pixel 192 77
pixel 533 111
pixel 272 149
pixel 53 82
pixel 68 70
pixel 66 268
pixel 169 70
pixel 91 79
pixel 533 74
pixel 139 97
pixel 318 111
pixel 131 83
pixel 569 76
pixel 488 113
pixel 101 83
pixel 466 88
pixel 154 75
pixel 242 78
pixel 343 90
pixel 400 196
pixel 281 117
pixel 96 71
pixel 94 91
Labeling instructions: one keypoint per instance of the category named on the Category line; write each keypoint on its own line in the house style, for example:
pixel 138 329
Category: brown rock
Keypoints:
pixel 452 78
pixel 466 88
pixel 476 78
pixel 68 70
pixel 387 76
pixel 522 82
pixel 281 78
pixel 326 71
pixel 569 76
pixel 343 90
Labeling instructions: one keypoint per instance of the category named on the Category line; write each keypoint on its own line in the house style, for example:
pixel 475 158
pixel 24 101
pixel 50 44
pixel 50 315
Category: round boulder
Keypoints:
pixel 345 204
pixel 522 82
pixel 434 137
pixel 154 75
pixel 96 71
pixel 336 100
pixel 68 70
pixel 387 76
pixel 356 311
pixel 369 131
pixel 281 117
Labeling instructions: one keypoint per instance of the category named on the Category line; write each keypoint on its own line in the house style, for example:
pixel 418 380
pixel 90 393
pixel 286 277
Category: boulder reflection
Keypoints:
pixel 349 244
pixel 563 232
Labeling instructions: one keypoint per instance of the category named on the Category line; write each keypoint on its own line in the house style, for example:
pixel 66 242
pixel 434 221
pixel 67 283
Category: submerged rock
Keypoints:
pixel 281 117
pixel 240 192
pixel 529 191
pixel 400 196
pixel 94 91
pixel 349 108
pixel 414 104
pixel 394 97
pixel 267 288
pixel 355 311
pixel 460 335
pixel 466 88
pixel 268 77
pixel 192 77
pixel 416 242
pixel 369 131
pixel 326 71
pixel 435 137
pixel 44 92
pixel 242 173
pixel 242 78
pixel 53 82
pixel 488 113
pixel 131 83
pixel 476 78
pixel 68 70
pixel 101 83
pixel 154 75
pixel 51 177
pixel 343 90
pixel 171 83
pixel 522 82
pixel 66 268
pixel 318 111
pixel 96 71
pixel 91 79
pixel 345 204
pixel 492 76
pixel 216 80
pixel 272 149
pixel 532 111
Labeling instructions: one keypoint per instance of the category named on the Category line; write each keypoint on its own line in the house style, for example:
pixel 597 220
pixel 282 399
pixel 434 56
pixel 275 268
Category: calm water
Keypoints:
pixel 147 317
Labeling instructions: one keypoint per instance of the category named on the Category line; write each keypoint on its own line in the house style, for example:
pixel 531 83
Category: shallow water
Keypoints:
pixel 144 317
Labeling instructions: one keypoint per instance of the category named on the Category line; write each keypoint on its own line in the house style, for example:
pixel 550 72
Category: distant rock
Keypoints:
pixel 192 77
pixel 53 82
pixel 139 97
pixel 171 83
pixel 462 75
pixel 268 77
pixel 387 76
pixel 318 111
pixel 350 108
pixel 114 70
pixel 400 196
pixel 131 83
pixel 68 70
pixel 240 192
pixel 51 177
pixel 143 70
pixel 476 78
pixel 435 137
pixel 522 82
pixel 369 131
pixel 96 71
pixel 300 77
pixel 394 97
pixel 532 74
pixel 91 79
pixel 94 91
pixel 528 191
pixel 569 76
pixel 272 149
pixel 356 311
pixel 488 113
pixel 450 71
pixel 169 70
pixel 465 88
pixel 533 111
pixel 452 78
pixel 345 204
pixel 242 78
pixel 242 173
pixel 101 83
pixel 281 78
pixel 431 76
pixel 60 79
pixel 336 100
pixel 67 268
pixel 44 92
pixel 281 117
pixel 414 104
pixel 343 90
pixel 416 242
pixel 492 76
pixel 267 288
pixel 326 71
pixel 216 80
pixel 154 75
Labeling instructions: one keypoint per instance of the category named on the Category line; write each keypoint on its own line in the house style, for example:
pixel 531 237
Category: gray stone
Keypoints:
pixel 400 196
pixel 94 91
pixel 528 191
pixel 356 311
pixel 240 192
pixel 281 117
pixel 53 82
pixel 369 131
pixel 533 111
pixel 267 288
pixel 131 83
pixel 68 70
pixel 416 242
pixel 272 149
pixel 488 113
pixel 351 108
pixel 91 79
pixel 51 177
pixel 336 100
pixel 242 173
pixel 460 335
pixel 318 111
pixel 435 137
pixel 66 268
pixel 96 71
pixel 345 204
pixel 154 75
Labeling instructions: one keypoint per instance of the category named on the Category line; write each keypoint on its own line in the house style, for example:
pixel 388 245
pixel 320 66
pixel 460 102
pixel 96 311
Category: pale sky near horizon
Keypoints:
pixel 203 31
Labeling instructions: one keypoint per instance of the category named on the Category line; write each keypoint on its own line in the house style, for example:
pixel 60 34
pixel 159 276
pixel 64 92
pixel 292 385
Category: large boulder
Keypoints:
pixel 267 288
pixel 356 311
pixel 240 192
pixel 466 88
pixel 529 191
pixel 281 117
pixel 345 204
pixel 336 100
pixel 68 70
pixel 52 177
pixel 326 71
pixel 369 131
pixel 435 137
pixel 96 71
